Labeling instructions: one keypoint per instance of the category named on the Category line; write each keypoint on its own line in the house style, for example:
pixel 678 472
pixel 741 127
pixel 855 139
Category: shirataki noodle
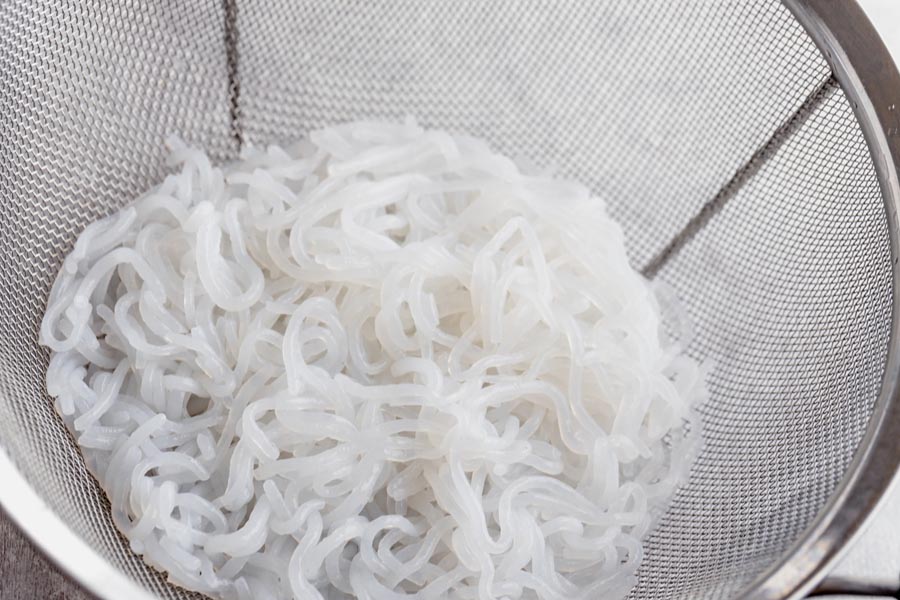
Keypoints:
pixel 383 362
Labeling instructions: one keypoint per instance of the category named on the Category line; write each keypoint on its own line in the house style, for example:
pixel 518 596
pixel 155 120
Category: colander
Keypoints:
pixel 750 149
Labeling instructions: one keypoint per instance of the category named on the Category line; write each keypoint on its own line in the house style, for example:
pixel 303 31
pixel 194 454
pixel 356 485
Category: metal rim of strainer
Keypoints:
pixel 869 78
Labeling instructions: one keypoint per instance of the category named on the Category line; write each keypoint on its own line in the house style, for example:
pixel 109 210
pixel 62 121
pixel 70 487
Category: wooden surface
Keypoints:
pixel 26 575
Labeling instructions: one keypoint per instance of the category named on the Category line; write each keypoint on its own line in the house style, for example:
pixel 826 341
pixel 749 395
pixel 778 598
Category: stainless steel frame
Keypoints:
pixel 870 80
pixel 864 68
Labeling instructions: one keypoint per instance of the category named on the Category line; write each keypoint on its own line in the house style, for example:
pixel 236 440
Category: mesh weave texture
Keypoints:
pixel 654 105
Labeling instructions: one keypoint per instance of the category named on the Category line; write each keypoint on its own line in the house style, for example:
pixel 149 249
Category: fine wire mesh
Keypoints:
pixel 802 305
pixel 653 105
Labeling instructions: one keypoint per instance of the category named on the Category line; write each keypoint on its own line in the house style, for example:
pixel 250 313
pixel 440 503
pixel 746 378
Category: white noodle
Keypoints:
pixel 382 363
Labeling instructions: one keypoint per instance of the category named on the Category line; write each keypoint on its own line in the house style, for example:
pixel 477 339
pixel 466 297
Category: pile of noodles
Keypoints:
pixel 381 363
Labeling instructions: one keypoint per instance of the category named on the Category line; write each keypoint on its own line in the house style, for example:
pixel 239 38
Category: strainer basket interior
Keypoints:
pixel 740 144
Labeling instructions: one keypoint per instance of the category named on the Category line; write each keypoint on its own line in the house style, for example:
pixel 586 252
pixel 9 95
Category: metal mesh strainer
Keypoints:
pixel 750 166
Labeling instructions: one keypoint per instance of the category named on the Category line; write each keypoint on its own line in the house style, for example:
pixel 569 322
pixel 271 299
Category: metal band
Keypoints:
pixel 868 76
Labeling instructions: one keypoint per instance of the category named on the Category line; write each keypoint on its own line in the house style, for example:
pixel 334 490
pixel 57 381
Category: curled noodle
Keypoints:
pixel 380 363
